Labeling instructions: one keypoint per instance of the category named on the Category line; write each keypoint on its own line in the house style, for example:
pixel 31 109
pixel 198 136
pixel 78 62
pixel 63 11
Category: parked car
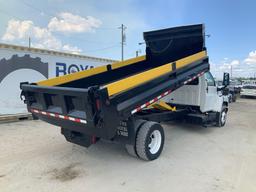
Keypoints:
pixel 248 90
pixel 234 89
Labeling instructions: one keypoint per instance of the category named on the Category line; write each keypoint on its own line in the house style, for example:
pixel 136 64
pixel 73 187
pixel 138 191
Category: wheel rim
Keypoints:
pixel 155 141
pixel 223 117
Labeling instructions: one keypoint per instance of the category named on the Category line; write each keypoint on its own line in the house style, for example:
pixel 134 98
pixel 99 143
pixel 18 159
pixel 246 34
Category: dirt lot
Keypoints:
pixel 34 156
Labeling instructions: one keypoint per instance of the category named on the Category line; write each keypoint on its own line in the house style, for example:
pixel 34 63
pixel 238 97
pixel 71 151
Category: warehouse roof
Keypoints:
pixel 52 52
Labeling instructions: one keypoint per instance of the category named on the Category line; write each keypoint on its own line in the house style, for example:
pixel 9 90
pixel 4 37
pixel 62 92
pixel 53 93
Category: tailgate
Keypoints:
pixel 71 108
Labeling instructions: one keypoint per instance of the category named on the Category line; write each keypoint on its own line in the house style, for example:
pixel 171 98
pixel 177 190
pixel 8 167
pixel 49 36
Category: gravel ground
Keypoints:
pixel 34 156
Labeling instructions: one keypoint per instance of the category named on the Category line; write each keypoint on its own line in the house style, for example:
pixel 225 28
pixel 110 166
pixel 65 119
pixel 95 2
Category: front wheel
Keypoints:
pixel 149 141
pixel 230 98
pixel 222 117
pixel 234 98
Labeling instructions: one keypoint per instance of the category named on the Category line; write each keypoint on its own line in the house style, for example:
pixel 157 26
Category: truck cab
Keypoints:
pixel 202 95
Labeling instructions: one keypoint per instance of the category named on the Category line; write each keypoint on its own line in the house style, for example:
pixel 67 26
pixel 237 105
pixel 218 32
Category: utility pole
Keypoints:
pixel 231 71
pixel 123 39
pixel 29 42
pixel 137 53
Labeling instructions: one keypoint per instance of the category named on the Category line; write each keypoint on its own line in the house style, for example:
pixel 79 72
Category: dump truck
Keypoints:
pixel 126 101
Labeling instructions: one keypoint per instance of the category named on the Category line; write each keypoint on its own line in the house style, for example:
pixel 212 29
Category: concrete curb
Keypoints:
pixel 15 117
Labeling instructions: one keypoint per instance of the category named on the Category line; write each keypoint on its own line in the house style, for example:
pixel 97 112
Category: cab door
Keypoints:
pixel 210 98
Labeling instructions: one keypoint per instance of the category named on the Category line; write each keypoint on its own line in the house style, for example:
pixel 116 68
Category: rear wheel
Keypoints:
pixel 149 141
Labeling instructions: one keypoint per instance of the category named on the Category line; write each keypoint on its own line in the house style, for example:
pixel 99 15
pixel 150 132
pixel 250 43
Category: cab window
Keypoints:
pixel 209 79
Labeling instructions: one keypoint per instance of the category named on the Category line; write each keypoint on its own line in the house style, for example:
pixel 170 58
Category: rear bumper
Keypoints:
pixel 67 122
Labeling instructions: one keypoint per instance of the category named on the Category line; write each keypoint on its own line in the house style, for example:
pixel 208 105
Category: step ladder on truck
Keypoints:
pixel 126 101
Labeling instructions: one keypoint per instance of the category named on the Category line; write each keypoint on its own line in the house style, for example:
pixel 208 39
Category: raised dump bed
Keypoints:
pixel 163 47
pixel 92 103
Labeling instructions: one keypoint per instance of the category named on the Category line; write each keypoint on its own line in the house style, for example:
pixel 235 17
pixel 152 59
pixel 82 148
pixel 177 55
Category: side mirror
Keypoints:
pixel 225 81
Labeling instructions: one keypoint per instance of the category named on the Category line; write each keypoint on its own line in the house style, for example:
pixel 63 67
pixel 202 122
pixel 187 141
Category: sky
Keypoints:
pixel 92 27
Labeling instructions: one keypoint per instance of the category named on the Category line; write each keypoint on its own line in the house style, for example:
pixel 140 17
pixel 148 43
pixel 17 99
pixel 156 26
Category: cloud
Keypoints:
pixel 17 30
pixel 67 22
pixel 240 68
pixel 41 37
pixel 20 30
pixel 234 63
pixel 226 65
pixel 251 59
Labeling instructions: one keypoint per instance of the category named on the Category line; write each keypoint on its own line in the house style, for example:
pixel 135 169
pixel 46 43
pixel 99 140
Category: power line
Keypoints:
pixel 101 49
pixel 93 42
pixel 10 15
pixel 80 38
pixel 52 15
pixel 36 9
pixel 107 28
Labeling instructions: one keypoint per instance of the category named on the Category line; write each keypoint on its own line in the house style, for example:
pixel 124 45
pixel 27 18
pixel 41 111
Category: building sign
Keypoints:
pixel 64 69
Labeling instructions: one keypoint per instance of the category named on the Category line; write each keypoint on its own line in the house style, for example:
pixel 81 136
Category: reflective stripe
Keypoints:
pixel 193 78
pixel 150 102
pixel 163 95
pixel 59 116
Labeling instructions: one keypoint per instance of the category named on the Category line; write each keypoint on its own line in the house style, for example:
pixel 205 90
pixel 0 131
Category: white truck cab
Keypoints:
pixel 203 96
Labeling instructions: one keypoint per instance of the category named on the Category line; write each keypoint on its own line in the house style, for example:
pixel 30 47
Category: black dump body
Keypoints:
pixel 163 46
pixel 95 105
pixel 175 43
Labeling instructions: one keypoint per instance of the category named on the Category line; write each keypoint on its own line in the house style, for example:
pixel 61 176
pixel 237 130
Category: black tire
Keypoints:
pixel 220 119
pixel 234 98
pixel 230 99
pixel 144 139
pixel 131 148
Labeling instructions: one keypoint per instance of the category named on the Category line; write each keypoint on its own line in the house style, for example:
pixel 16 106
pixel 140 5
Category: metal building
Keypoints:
pixel 19 64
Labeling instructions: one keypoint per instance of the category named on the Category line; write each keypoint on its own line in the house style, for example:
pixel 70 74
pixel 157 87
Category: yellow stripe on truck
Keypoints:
pixel 82 74
pixel 135 80
pixel 72 77
pixel 190 59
